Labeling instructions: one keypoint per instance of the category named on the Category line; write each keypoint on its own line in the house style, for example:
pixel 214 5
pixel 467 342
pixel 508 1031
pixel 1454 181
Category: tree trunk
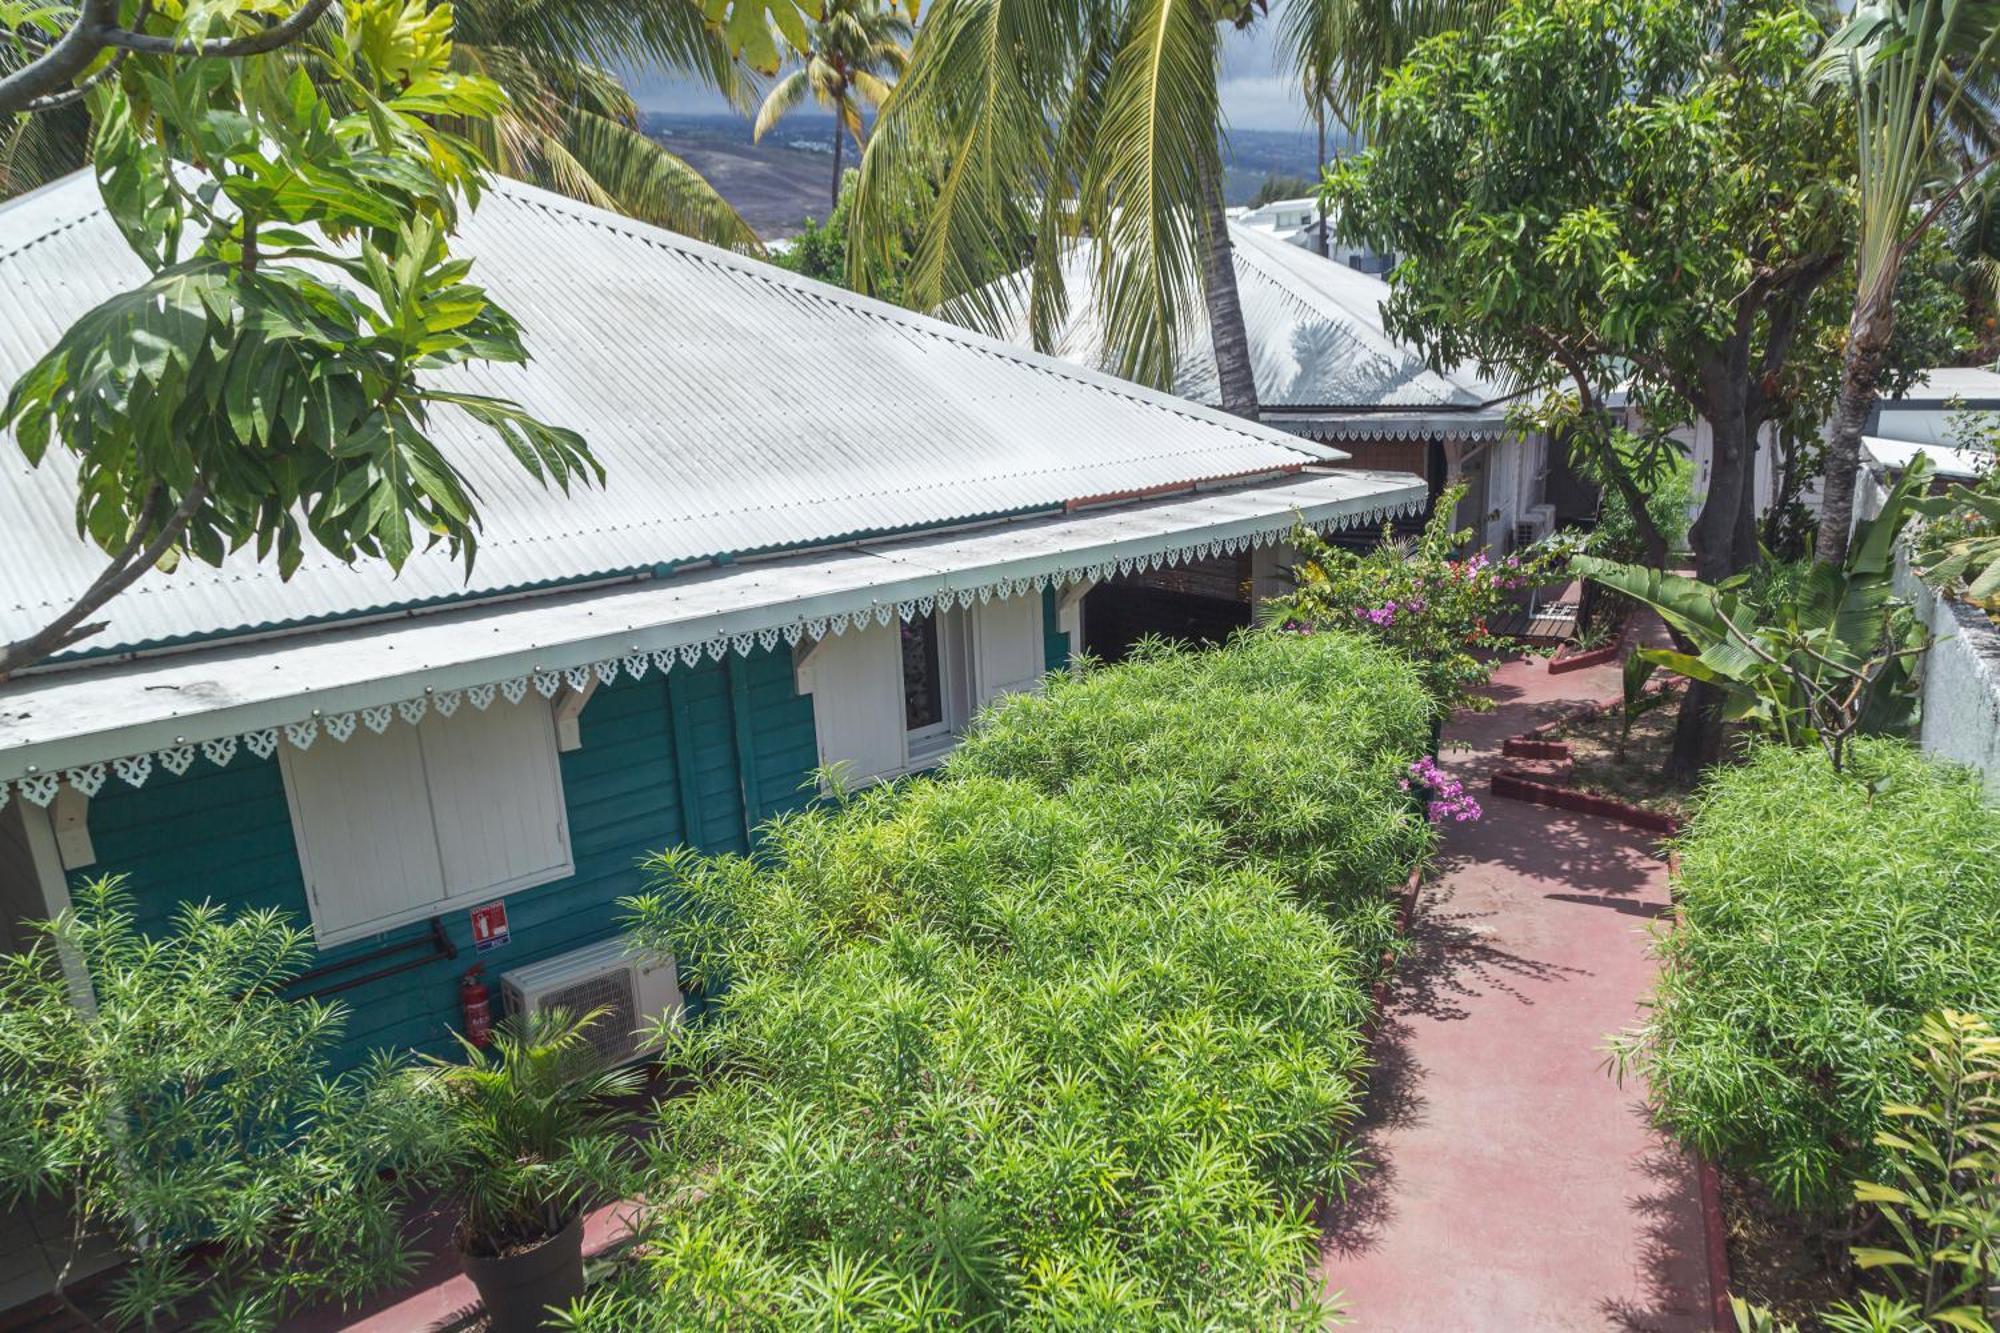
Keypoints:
pixel 1868 335
pixel 1723 538
pixel 837 145
pixel 1231 340
pixel 1319 121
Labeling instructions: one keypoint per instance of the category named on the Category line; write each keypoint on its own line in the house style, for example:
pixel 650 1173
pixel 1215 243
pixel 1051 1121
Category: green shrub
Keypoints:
pixel 1065 1038
pixel 1823 916
pixel 1294 744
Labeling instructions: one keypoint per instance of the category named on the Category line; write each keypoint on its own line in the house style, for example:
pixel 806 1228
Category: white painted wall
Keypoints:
pixel 1961 681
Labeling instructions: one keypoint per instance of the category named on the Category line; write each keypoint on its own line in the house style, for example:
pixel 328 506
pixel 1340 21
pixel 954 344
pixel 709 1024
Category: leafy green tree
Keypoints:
pixel 171 1094
pixel 568 125
pixel 268 382
pixel 1923 77
pixel 819 251
pixel 49 53
pixel 1813 660
pixel 1027 129
pixel 1656 195
pixel 854 45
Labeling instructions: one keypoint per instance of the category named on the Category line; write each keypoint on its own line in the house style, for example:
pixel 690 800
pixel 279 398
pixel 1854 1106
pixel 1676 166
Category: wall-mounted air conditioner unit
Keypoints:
pixel 633 987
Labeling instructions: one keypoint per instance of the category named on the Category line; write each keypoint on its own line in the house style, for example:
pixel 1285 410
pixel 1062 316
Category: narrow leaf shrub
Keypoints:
pixel 1065 1038
pixel 1824 916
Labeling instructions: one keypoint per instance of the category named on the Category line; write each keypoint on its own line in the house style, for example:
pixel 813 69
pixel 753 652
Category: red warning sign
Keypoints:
pixel 489 927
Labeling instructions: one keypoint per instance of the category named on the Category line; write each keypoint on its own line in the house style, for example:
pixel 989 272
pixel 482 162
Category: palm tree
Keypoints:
pixel 1924 75
pixel 851 47
pixel 1025 127
pixel 570 125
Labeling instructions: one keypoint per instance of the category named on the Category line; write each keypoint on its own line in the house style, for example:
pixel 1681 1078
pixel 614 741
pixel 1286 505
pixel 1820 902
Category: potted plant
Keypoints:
pixel 537 1136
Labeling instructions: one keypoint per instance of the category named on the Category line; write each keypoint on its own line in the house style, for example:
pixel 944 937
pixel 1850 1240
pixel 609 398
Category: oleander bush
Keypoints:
pixel 1067 1037
pixel 1823 916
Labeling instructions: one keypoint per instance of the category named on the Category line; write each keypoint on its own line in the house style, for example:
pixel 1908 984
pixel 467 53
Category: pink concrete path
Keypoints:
pixel 1517 1186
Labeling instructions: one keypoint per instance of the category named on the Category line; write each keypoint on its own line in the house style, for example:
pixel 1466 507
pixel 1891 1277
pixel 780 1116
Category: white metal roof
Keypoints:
pixel 1947 462
pixel 1317 343
pixel 1975 384
pixel 311 686
pixel 737 408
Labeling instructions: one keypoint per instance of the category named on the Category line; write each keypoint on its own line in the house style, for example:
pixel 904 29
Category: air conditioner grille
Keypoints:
pixel 611 992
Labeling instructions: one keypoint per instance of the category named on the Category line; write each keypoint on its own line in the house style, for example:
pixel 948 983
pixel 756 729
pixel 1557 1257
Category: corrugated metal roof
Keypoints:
pixel 1316 337
pixel 737 408
pixel 53 722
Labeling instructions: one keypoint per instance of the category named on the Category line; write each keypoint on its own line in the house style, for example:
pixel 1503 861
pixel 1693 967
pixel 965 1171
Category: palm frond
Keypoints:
pixel 784 98
pixel 673 34
pixel 645 181
pixel 1340 49
pixel 1145 195
pixel 37 149
pixel 966 146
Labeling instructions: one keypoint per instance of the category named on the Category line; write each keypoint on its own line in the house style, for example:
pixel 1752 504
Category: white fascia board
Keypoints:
pixel 50 723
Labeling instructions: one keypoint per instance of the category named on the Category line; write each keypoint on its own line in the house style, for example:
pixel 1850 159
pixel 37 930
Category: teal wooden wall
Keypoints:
pixel 1055 643
pixel 661 763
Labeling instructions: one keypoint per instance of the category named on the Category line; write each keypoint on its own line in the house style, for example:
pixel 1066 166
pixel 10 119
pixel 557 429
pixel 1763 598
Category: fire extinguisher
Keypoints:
pixel 476 1015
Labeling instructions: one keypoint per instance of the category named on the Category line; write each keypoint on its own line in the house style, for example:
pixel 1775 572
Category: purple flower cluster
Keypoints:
pixel 1385 615
pixel 1449 798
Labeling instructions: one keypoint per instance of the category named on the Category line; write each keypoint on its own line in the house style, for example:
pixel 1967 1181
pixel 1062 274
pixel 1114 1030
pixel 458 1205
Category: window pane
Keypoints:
pixel 923 691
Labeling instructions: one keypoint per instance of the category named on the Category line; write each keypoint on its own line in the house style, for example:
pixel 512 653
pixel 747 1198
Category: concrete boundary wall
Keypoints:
pixel 1961 680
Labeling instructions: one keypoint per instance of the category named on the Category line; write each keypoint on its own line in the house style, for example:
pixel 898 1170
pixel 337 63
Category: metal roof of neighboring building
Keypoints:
pixel 1317 344
pixel 737 408
pixel 1949 464
pixel 1975 384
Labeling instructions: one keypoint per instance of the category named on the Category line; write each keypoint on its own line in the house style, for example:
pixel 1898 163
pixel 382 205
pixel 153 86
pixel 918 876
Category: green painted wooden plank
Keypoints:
pixel 747 765
pixel 680 711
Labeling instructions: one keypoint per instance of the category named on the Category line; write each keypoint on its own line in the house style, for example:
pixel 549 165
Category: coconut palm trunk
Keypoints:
pixel 1922 74
pixel 1319 234
pixel 1236 378
pixel 834 201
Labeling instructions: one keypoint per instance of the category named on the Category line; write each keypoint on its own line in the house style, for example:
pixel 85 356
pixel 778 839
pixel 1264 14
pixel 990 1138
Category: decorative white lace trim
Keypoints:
pixel 133 770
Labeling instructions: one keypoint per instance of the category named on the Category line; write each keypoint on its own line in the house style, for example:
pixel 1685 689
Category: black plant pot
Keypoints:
pixel 518 1289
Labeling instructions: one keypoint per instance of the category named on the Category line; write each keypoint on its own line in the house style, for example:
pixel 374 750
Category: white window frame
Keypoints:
pixel 923 747
pixel 449 898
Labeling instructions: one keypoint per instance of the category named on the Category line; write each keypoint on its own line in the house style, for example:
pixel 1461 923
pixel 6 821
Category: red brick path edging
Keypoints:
pixel 1565 660
pixel 1715 1230
pixel 1516 786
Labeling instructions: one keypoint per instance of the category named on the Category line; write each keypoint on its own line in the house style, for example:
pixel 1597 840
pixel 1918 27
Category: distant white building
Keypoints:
pixel 1327 369
pixel 1296 222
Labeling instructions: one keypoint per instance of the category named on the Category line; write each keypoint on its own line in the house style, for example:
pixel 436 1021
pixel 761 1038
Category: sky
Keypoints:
pixel 1254 97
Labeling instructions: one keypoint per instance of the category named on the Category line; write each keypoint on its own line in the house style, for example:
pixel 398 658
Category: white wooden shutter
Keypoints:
pixel 1006 647
pixel 362 816
pixel 856 681
pixel 496 792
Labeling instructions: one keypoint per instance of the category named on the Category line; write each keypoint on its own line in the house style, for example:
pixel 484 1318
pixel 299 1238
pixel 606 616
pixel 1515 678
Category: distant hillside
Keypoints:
pixel 776 184
pixel 779 183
